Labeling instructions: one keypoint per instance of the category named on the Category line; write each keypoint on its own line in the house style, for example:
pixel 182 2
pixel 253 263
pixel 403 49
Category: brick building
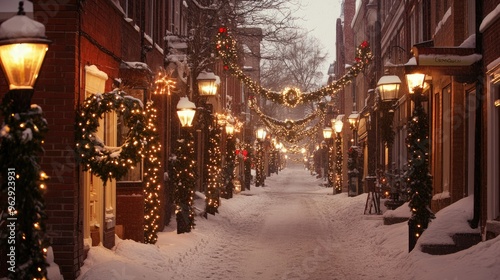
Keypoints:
pixel 404 33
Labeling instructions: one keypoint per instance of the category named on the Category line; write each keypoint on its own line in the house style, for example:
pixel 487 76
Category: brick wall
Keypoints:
pixel 130 214
pixel 55 93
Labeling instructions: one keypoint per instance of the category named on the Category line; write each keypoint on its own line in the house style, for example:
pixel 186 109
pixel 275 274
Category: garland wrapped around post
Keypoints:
pixel 229 166
pixel 182 172
pixel 214 171
pixel 23 211
pixel 419 179
pixel 338 164
pixel 152 186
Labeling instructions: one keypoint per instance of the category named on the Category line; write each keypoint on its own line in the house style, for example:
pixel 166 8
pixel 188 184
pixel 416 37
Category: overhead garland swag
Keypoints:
pixel 101 160
pixel 291 97
pixel 290 130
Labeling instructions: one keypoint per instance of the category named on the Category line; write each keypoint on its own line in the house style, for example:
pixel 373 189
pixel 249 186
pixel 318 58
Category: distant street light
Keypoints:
pixel 207 83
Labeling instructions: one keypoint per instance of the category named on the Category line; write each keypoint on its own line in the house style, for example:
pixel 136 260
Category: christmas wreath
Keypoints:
pixel 101 160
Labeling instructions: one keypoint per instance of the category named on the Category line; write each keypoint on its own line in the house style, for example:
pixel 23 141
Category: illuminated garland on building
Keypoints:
pixel 290 130
pixel 291 97
pixel 214 171
pixel 104 161
pixel 182 172
pixel 21 139
pixel 152 187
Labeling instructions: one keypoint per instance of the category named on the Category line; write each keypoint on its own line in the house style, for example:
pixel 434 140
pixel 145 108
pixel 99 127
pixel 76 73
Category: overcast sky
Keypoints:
pixel 320 17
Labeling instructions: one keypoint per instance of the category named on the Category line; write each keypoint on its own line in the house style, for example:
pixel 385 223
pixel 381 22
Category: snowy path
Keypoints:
pixel 294 229
pixel 284 232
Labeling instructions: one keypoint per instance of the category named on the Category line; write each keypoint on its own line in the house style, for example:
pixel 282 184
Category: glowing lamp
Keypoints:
pixel 353 120
pixel 207 83
pixel 229 129
pixel 22 50
pixel 186 110
pixel 327 132
pixel 388 87
pixel 415 80
pixel 261 134
pixel 338 126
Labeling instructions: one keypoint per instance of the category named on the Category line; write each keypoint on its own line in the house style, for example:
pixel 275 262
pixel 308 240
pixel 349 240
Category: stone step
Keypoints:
pixel 461 241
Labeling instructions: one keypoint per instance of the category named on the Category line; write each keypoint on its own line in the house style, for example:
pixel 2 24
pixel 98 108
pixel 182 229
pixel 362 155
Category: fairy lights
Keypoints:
pixel 152 186
pixel 226 48
pixel 101 160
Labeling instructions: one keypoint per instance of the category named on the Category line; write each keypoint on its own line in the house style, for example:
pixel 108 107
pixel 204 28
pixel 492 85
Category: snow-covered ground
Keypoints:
pixel 296 229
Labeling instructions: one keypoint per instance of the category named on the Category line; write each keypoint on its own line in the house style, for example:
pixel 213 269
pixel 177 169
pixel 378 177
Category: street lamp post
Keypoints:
pixel 338 159
pixel 259 165
pixel 23 46
pixel 183 168
pixel 419 179
pixel 327 135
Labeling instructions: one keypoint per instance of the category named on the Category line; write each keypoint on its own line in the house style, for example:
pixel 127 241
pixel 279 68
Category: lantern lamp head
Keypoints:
pixel 415 80
pixel 338 126
pixel 23 46
pixel 388 87
pixel 186 110
pixel 327 132
pixel 207 83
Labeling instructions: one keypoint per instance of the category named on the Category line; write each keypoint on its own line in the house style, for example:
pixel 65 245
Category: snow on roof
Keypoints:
pixel 136 65
pixel 21 26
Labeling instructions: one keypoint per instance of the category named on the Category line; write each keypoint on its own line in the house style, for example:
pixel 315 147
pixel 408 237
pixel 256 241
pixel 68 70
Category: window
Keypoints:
pixel 133 175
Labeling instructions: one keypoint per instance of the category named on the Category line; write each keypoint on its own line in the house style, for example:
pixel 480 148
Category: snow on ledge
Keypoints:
pixel 489 19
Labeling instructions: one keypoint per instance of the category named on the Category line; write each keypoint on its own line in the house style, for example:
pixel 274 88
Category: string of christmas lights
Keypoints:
pixel 214 171
pixel 101 160
pixel 338 164
pixel 226 48
pixel 419 180
pixel 21 139
pixel 182 172
pixel 152 166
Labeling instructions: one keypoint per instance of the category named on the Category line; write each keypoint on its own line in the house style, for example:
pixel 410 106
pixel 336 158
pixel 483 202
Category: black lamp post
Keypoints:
pixel 183 168
pixel 23 46
pixel 419 179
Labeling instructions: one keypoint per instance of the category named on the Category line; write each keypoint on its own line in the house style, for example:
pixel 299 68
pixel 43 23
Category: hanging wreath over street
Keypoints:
pixel 226 48
pixel 104 161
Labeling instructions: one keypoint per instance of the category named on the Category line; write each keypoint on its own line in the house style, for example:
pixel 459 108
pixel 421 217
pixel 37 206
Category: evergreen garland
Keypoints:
pixel 103 161
pixel 227 50
pixel 214 172
pixel 152 188
pixel 22 182
pixel 418 178
pixel 182 172
pixel 229 166
pixel 338 164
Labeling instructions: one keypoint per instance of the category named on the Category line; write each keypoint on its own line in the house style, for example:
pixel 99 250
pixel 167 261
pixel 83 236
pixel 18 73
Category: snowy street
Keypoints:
pixel 291 229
